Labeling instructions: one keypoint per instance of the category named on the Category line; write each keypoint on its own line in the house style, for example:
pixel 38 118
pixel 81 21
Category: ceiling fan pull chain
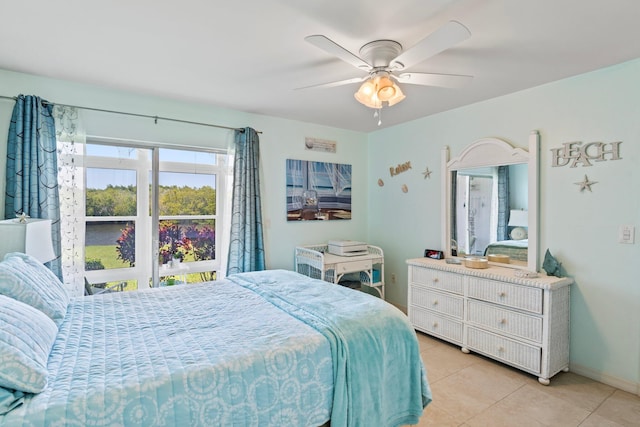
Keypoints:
pixel 378 114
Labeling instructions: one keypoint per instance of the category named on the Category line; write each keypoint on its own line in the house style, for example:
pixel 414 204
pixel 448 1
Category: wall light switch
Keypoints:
pixel 626 234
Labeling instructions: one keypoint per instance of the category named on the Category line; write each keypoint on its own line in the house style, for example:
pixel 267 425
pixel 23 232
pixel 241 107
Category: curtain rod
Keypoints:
pixel 155 118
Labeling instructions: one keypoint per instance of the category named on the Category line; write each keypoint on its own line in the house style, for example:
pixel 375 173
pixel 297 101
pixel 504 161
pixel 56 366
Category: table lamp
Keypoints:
pixel 30 236
pixel 518 218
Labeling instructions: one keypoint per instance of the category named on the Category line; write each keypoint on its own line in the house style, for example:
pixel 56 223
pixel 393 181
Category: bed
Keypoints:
pixel 517 250
pixel 256 349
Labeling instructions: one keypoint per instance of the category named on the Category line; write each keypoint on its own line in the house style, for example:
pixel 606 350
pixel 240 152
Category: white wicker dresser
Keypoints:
pixel 523 322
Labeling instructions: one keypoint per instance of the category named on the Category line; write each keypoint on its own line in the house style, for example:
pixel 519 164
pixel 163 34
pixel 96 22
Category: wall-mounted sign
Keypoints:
pixel 400 168
pixel 576 153
pixel 323 145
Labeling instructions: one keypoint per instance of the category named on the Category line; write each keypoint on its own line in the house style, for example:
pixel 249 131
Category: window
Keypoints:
pixel 119 214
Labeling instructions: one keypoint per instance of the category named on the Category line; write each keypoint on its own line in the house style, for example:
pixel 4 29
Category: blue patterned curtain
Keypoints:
pixel 32 167
pixel 503 202
pixel 246 246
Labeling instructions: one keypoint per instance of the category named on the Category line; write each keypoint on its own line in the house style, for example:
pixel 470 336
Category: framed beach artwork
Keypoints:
pixel 318 191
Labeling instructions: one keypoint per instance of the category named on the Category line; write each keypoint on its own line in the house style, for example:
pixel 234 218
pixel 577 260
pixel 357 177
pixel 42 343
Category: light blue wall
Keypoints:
pixel 280 139
pixel 580 228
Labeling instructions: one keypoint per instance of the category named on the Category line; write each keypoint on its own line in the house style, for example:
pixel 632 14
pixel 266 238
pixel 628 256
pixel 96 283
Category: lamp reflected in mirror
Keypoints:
pixel 519 221
pixel 518 218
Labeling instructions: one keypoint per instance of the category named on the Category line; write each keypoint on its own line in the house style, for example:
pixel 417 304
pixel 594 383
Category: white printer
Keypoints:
pixel 347 248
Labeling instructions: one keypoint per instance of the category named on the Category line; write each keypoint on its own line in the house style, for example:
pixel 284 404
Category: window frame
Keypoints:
pixel 147 242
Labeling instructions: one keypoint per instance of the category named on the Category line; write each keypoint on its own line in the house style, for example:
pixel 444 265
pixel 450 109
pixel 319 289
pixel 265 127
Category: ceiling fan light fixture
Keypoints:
pixel 368 101
pixel 385 60
pixel 386 89
pixel 368 88
pixel 397 97
pixel 376 90
pixel 366 94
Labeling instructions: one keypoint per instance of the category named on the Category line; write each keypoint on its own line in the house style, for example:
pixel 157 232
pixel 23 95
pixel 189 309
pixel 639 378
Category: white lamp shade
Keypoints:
pixel 32 237
pixel 518 218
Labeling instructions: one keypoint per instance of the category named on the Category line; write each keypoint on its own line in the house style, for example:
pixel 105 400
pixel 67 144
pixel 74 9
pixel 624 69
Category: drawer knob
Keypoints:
pixel 435 280
pixel 502 294
pixel 503 321
pixel 501 349
pixel 435 302
pixel 435 324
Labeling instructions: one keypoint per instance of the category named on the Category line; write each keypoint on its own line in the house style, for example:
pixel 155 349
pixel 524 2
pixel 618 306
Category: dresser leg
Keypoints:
pixel 465 350
pixel 544 381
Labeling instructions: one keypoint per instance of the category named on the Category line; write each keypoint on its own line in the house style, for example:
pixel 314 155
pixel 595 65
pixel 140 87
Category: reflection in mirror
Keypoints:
pixel 489 212
pixel 490 202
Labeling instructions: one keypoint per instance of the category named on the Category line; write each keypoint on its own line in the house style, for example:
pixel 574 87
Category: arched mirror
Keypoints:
pixel 490 202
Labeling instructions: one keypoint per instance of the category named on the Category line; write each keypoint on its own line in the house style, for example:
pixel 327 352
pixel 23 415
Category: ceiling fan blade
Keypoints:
pixel 335 49
pixel 442 39
pixel 337 83
pixel 453 81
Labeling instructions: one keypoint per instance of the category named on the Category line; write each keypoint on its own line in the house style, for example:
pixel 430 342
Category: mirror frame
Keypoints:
pixel 495 152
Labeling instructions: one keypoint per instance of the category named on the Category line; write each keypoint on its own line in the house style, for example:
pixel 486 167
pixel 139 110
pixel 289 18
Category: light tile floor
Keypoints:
pixel 473 391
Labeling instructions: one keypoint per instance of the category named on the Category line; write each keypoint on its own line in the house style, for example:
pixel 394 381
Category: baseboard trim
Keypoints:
pixel 616 382
pixel 400 307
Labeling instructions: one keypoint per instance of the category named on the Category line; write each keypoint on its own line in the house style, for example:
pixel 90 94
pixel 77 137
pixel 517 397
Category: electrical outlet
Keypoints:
pixel 393 279
pixel 626 234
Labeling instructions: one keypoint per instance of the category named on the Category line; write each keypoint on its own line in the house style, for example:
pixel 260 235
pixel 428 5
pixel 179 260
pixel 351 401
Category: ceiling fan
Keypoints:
pixel 385 62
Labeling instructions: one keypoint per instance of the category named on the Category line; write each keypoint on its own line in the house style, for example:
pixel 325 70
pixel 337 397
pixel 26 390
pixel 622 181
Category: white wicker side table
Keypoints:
pixel 316 261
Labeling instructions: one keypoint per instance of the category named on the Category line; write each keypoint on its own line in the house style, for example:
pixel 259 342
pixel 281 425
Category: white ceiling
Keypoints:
pixel 250 55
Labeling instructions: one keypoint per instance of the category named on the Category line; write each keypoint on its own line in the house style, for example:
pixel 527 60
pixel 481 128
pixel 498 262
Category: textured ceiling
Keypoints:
pixel 251 55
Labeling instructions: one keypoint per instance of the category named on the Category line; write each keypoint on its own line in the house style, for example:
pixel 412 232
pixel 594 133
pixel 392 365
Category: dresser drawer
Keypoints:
pixel 521 297
pixel 436 324
pixel 445 303
pixel 443 280
pixel 523 356
pixel 505 321
pixel 353 266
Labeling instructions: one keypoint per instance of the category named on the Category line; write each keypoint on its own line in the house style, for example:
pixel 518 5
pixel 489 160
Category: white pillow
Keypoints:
pixel 518 233
pixel 26 339
pixel 26 279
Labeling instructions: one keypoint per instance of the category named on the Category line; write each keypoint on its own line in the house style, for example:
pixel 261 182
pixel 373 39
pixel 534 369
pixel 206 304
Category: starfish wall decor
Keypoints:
pixel 427 173
pixel 585 184
pixel 22 218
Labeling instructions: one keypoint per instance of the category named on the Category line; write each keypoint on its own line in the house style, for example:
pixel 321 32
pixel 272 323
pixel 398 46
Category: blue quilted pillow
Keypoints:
pixel 26 339
pixel 26 279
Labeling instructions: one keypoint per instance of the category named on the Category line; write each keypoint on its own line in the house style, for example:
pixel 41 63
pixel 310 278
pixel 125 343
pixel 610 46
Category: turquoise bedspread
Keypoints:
pixel 258 349
pixel 379 378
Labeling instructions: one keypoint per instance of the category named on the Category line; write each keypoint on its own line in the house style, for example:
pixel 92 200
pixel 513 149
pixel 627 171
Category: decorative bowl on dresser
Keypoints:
pixel 520 321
